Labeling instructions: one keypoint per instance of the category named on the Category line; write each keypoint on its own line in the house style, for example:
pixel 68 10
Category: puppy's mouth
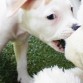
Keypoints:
pixel 59 45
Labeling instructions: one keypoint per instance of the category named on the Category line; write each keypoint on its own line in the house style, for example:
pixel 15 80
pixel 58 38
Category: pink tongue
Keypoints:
pixel 58 45
pixel 56 42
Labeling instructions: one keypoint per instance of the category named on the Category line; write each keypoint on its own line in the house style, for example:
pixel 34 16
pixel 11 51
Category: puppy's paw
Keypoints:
pixel 25 79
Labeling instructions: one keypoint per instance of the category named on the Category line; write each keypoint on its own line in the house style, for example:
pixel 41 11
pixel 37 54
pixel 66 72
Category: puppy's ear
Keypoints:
pixel 14 5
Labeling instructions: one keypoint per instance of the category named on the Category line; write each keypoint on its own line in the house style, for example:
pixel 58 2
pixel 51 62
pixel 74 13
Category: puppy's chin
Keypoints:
pixel 58 45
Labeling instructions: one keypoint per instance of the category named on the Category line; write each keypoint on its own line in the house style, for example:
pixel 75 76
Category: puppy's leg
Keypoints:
pixel 20 48
pixel 3 40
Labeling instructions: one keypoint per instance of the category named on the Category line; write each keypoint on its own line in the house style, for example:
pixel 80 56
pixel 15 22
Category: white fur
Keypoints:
pixel 74 44
pixel 24 21
pixel 80 13
pixel 57 75
pixel 74 48
pixel 75 5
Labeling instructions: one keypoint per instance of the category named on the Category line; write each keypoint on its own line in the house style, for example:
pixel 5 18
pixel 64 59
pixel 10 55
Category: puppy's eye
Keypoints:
pixel 51 17
pixel 72 9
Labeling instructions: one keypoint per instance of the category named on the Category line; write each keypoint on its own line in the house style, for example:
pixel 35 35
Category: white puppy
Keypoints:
pixel 74 44
pixel 49 20
pixel 57 75
pixel 74 48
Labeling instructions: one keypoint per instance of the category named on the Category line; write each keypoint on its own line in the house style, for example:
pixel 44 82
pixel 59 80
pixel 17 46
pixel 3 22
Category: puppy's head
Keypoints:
pixel 51 21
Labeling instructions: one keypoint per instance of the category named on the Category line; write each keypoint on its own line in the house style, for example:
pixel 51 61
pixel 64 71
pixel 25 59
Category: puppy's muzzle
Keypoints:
pixel 75 26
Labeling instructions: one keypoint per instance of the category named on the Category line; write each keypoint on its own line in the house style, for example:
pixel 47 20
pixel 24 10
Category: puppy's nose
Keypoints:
pixel 75 26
